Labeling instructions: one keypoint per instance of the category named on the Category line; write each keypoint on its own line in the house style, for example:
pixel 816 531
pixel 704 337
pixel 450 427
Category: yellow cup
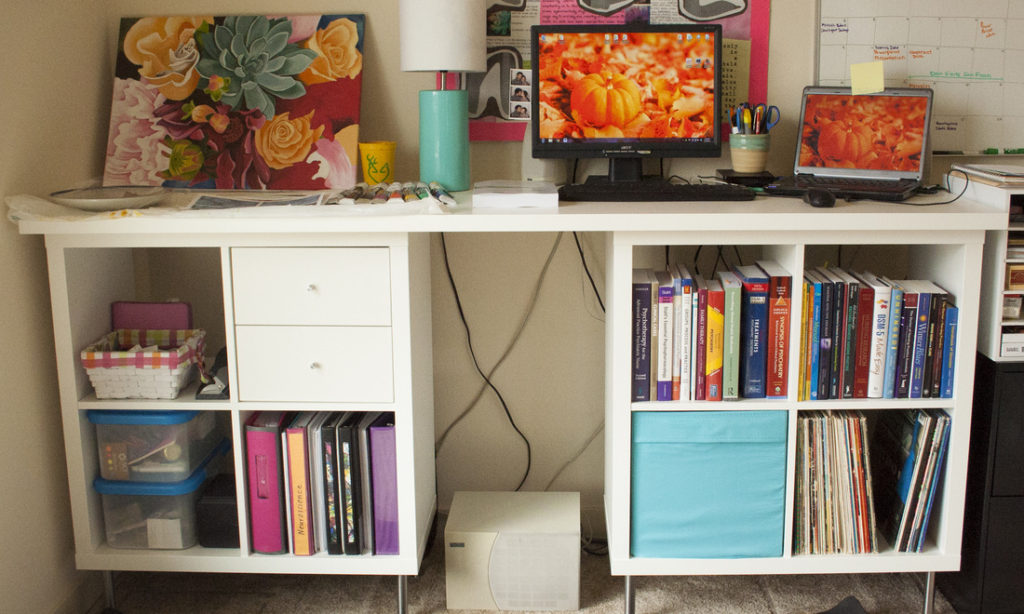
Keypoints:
pixel 378 159
pixel 749 152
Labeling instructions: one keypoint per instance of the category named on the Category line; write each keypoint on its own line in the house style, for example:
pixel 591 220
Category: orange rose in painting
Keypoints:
pixel 841 145
pixel 606 99
pixel 165 51
pixel 337 55
pixel 282 141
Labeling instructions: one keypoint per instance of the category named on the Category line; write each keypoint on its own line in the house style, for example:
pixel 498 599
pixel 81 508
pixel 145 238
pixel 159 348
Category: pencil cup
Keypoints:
pixel 749 152
pixel 378 159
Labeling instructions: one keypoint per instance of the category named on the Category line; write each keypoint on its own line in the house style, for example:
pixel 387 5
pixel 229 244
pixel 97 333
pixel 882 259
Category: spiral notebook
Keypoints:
pixel 864 146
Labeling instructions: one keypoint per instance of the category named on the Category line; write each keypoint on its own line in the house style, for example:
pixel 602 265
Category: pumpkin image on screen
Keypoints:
pixel 605 99
pixel 593 85
pixel 839 143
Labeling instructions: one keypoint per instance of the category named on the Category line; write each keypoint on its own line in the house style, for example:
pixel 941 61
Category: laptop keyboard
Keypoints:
pixel 849 184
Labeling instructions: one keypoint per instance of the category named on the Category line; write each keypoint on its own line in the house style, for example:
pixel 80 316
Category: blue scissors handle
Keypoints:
pixel 770 115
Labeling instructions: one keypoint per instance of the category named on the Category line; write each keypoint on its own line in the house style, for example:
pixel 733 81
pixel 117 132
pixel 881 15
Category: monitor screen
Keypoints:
pixel 626 91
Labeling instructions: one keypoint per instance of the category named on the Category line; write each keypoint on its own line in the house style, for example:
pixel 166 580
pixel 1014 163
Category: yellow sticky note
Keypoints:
pixel 867 77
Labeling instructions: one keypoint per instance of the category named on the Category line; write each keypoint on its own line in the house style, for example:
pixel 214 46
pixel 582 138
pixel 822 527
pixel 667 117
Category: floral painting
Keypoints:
pixel 238 102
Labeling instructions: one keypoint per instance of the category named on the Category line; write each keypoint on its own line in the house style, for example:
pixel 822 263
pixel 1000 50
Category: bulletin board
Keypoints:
pixel 492 102
pixel 971 53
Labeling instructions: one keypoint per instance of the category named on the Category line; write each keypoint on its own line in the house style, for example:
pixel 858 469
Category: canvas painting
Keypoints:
pixel 237 102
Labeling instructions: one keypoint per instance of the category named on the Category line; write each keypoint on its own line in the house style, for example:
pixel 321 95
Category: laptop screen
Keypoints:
pixel 871 136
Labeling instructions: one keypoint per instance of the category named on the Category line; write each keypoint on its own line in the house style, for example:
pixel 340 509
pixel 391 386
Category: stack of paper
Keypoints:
pixel 502 194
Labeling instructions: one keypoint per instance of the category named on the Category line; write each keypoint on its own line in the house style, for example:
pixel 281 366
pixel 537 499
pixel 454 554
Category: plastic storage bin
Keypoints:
pixel 708 484
pixel 153 446
pixel 155 515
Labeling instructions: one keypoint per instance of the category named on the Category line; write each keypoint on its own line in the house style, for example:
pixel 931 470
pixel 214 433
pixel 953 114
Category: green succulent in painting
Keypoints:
pixel 253 56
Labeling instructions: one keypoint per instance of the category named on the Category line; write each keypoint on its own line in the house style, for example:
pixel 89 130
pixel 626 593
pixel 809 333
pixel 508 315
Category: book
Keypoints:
pixel 993 174
pixel 332 483
pixel 851 305
pixel 780 305
pixel 297 451
pixel 826 330
pixel 893 335
pixel 838 332
pixel 894 450
pixel 949 343
pixel 936 332
pixel 804 363
pixel 881 304
pixel 926 290
pixel 700 337
pixel 733 288
pixel 350 478
pixel 682 282
pixel 714 352
pixel 754 325
pixel 942 436
pixel 642 318
pixel 862 353
pixel 508 194
pixel 908 333
pixel 264 477
pixel 814 332
pixel 665 336
pixel 384 476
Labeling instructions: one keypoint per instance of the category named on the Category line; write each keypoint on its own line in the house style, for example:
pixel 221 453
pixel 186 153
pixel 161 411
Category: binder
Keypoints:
pixel 366 519
pixel 350 480
pixel 297 450
pixel 384 475
pixel 263 472
pixel 332 486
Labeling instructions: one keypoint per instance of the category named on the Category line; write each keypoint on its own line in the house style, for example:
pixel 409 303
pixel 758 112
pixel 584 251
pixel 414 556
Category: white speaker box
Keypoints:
pixel 513 551
pixel 540 169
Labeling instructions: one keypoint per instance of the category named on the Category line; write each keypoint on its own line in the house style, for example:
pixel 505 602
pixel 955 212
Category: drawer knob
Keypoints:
pixel 311 288
pixel 313 366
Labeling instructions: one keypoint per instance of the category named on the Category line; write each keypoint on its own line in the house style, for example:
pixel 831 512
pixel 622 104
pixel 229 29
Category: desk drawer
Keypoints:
pixel 315 363
pixel 348 286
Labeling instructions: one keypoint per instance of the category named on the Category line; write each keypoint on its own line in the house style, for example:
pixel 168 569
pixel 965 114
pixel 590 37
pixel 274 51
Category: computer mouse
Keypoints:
pixel 819 197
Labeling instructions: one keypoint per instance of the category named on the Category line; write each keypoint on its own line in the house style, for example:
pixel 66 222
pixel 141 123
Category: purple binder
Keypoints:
pixel 384 476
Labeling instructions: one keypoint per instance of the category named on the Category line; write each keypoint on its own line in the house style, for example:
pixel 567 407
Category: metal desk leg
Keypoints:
pixel 630 596
pixel 403 589
pixel 929 592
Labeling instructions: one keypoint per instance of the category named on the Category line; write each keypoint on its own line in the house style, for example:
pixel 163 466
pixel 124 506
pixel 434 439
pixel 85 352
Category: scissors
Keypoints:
pixel 766 117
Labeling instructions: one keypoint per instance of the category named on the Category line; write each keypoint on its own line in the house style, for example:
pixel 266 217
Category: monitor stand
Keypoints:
pixel 629 170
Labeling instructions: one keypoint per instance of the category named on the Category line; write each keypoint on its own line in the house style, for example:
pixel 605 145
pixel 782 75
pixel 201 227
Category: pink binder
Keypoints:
pixel 384 475
pixel 266 497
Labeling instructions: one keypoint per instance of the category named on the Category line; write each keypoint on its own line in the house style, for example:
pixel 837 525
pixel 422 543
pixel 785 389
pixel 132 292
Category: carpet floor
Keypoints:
pixel 600 593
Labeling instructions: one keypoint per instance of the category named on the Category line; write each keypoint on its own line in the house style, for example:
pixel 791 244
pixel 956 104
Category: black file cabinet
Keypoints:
pixel 991 576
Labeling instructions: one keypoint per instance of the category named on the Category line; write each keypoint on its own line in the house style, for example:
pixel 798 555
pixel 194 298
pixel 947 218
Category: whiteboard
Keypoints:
pixel 970 52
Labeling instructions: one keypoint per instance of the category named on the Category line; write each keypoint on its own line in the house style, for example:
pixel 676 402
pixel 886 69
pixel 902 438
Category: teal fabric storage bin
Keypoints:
pixel 708 484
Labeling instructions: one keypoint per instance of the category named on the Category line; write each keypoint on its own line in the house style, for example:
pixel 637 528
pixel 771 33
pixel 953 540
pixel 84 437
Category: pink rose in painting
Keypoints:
pixel 303 26
pixel 336 169
pixel 134 147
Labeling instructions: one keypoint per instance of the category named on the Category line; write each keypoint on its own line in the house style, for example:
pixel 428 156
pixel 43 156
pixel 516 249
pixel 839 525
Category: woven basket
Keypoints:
pixel 122 365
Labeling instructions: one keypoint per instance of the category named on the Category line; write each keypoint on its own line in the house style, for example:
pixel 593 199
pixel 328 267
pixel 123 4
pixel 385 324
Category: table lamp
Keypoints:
pixel 443 36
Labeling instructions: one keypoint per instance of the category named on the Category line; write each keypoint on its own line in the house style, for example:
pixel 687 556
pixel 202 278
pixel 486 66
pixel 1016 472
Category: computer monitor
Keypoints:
pixel 625 93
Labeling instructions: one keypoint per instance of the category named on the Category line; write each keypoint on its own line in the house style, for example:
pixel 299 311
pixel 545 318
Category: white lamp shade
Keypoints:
pixel 443 35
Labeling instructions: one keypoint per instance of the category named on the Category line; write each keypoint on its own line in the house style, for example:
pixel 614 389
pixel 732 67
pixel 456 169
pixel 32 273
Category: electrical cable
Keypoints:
pixel 486 377
pixel 579 453
pixel 586 269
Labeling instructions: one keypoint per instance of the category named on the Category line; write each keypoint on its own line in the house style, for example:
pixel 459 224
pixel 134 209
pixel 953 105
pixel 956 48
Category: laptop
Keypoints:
pixel 866 146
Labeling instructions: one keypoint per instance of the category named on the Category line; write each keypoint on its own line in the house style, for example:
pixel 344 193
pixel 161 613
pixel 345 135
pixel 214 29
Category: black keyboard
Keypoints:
pixel 640 191
pixel 854 184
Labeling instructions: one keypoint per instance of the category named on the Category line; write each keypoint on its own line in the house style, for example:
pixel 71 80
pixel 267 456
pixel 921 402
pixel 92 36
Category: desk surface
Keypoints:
pixel 761 214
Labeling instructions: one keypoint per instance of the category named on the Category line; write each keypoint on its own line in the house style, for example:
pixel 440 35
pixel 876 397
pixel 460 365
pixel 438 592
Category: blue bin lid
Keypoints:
pixel 168 489
pixel 132 416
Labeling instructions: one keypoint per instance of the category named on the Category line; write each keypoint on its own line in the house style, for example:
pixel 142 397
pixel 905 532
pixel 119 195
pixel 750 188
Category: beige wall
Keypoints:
pixel 56 82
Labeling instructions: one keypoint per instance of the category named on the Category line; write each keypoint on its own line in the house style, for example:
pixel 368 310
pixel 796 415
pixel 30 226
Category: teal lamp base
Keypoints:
pixel 444 138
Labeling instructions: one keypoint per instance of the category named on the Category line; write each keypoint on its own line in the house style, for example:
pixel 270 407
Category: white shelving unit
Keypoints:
pixel 950 255
pixel 91 264
pixel 88 272
pixel 994 287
